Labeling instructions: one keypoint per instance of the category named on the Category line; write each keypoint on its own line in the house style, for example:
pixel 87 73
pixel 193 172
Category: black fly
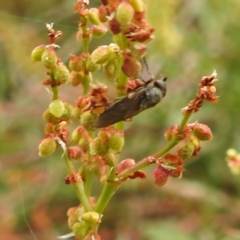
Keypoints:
pixel 141 98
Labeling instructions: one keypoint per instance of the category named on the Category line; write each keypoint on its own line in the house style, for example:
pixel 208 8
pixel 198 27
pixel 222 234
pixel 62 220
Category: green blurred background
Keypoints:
pixel 192 39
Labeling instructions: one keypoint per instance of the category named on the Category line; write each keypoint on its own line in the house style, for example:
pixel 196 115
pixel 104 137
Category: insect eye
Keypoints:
pixel 161 84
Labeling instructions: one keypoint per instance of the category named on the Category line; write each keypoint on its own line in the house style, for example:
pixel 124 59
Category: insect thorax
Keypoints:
pixel 152 96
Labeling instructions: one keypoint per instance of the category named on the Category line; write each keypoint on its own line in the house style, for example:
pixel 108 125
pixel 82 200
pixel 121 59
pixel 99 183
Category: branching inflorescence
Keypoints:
pixel 89 152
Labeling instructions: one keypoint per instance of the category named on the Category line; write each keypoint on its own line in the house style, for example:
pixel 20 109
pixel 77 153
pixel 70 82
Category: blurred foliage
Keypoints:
pixel 192 38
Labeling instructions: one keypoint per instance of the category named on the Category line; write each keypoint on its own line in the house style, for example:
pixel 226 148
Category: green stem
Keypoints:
pixel 107 192
pixel 79 186
pixel 89 172
pixel 184 121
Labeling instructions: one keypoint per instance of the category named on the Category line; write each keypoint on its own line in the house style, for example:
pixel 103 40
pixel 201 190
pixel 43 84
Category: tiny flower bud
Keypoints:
pixel 177 172
pixel 88 120
pixel 110 69
pixel 68 112
pixel 116 142
pixel 160 175
pixel 92 219
pixel 125 164
pixel 97 147
pixel 37 52
pixel 76 78
pixel 91 66
pixel 93 16
pixel 49 58
pixel 92 236
pixel 100 55
pixel 80 229
pixel 57 108
pixel 131 67
pixel 138 49
pixel 61 73
pixel 102 13
pixel 50 118
pixel 47 147
pixel 124 14
pixel 185 149
pixel 202 132
pixel 98 31
pixel 171 133
pixel 82 38
pixel 76 63
pixel 74 152
pixel 110 159
pixel 137 5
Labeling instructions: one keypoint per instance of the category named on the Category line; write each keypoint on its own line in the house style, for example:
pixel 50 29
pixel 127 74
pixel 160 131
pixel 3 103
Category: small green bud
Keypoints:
pixel 50 118
pixel 171 133
pixel 101 55
pixel 47 147
pixel 68 112
pixel 80 229
pixel 88 120
pixel 124 14
pixel 93 16
pixel 61 73
pixel 185 149
pixel 37 53
pixel 57 108
pixel 137 5
pixel 91 66
pixel 110 69
pixel 92 219
pixel 97 147
pixel 98 31
pixel 116 142
pixel 49 58
pixel 110 159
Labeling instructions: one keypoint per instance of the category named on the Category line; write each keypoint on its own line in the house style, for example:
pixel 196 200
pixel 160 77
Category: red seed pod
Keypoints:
pixel 114 26
pixel 125 164
pixel 74 152
pixel 103 13
pixel 160 175
pixel 131 67
pixel 202 131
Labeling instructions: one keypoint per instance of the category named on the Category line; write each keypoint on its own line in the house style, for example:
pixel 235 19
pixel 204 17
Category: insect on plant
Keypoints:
pixel 145 96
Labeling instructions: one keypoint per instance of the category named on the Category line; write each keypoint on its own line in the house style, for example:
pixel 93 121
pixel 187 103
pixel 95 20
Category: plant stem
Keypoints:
pixel 184 121
pixel 79 186
pixel 107 192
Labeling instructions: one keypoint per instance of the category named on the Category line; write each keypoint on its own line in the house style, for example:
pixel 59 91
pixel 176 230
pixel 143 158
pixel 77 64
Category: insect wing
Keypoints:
pixel 121 109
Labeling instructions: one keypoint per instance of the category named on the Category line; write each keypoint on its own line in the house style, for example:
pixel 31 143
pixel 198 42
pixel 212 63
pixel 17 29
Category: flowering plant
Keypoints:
pixel 93 148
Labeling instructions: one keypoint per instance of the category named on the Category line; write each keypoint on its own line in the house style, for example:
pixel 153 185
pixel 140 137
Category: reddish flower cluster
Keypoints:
pixel 206 92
